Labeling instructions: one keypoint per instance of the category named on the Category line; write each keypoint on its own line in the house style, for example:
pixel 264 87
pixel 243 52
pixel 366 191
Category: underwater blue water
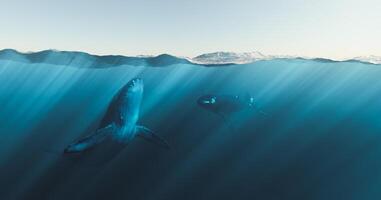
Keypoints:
pixel 321 139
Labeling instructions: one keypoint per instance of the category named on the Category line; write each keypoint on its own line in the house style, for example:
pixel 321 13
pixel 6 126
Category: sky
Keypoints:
pixel 314 28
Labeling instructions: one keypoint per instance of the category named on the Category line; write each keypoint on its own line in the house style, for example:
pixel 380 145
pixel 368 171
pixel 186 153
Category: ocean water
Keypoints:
pixel 321 140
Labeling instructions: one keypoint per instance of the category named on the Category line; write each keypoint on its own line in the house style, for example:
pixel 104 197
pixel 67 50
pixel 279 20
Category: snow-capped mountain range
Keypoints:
pixel 249 57
pixel 83 59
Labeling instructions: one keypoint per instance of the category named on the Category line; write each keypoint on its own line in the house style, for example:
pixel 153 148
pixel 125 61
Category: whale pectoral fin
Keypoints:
pixel 149 135
pixel 91 140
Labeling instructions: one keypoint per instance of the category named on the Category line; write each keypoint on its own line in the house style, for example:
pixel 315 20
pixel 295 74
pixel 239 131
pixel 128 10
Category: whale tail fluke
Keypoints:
pixel 151 136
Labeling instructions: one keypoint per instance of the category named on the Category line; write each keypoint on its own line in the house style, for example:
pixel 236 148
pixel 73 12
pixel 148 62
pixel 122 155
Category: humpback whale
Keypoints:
pixel 119 124
pixel 225 105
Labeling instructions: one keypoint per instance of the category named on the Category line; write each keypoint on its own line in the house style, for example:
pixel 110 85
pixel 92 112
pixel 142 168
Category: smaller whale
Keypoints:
pixel 225 105
pixel 119 123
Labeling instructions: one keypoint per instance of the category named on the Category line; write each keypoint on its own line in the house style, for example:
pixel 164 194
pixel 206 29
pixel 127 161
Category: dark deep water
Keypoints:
pixel 322 140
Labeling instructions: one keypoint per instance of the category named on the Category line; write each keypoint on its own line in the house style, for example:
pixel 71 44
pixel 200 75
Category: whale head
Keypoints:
pixel 134 86
pixel 130 98
pixel 208 102
pixel 132 89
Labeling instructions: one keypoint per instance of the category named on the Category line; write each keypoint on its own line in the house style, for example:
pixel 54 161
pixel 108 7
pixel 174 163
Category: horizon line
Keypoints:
pixel 190 57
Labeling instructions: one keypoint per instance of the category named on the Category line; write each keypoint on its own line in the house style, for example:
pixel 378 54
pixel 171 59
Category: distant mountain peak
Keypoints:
pixel 223 57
